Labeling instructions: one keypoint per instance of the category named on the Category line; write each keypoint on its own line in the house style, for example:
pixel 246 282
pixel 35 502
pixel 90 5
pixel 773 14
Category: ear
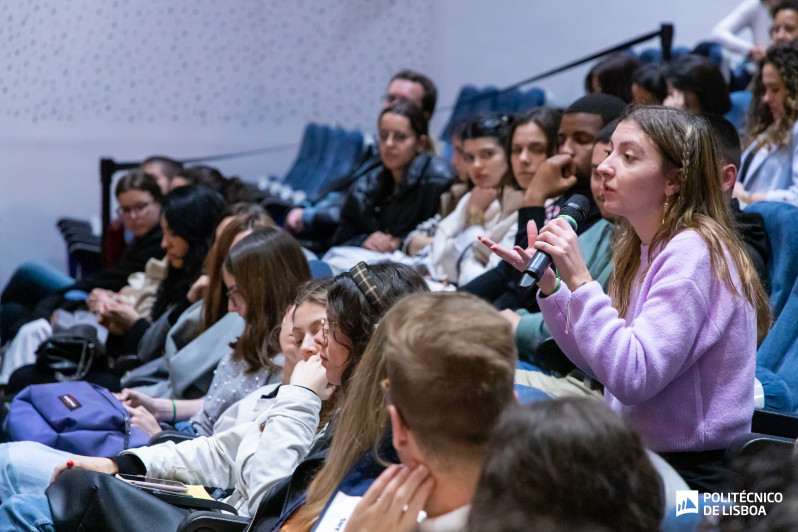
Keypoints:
pixel 403 441
pixel 401 434
pixel 423 144
pixel 673 182
pixel 728 176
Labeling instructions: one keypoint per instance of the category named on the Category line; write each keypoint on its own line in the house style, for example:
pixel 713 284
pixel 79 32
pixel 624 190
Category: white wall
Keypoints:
pixel 81 79
pixel 504 41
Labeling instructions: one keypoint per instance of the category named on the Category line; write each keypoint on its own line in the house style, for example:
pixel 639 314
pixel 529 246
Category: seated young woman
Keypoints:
pixel 181 365
pixel 355 302
pixel 491 207
pixel 29 466
pixel 446 250
pixel 36 289
pixel 383 206
pixel 188 219
pixel 261 273
pixel 675 341
pixel 569 464
pixel 769 168
pixel 530 327
pixel 427 366
pixel 697 85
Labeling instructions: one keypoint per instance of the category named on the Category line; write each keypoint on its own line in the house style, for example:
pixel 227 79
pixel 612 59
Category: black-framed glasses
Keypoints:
pixel 136 209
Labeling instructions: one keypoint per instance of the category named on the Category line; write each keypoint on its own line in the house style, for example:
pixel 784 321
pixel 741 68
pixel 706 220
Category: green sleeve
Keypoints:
pixel 531 331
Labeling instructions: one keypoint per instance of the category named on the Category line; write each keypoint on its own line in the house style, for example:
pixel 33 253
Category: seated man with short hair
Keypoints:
pixel 447 386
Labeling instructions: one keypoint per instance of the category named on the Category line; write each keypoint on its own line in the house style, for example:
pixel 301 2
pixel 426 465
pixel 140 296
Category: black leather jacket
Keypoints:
pixel 375 203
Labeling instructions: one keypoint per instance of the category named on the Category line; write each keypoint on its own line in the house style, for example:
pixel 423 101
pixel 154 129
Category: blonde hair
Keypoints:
pixel 449 383
pixel 485 350
pixel 688 151
pixel 362 421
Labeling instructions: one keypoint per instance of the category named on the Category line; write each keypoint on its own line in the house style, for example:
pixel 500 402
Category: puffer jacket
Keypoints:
pixel 375 203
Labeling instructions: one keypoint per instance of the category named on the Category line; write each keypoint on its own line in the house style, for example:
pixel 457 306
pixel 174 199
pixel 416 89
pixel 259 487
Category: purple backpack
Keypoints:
pixel 76 417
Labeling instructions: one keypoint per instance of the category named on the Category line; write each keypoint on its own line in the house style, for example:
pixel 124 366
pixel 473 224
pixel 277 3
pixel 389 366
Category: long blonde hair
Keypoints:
pixel 363 418
pixel 362 421
pixel 688 149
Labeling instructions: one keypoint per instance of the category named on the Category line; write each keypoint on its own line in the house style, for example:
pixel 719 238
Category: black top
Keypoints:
pixel 750 227
pixel 376 203
pixel 499 286
pixel 133 260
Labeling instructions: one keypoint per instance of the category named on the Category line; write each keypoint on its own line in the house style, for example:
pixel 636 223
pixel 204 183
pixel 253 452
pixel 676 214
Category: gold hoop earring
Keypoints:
pixel 665 210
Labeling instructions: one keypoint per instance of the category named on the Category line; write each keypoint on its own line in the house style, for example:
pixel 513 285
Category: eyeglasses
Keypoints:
pixel 136 209
pixel 325 328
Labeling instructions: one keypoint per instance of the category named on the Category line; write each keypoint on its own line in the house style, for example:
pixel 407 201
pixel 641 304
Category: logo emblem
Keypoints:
pixel 686 502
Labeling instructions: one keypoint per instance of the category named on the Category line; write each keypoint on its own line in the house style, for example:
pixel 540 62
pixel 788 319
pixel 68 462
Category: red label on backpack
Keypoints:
pixel 70 402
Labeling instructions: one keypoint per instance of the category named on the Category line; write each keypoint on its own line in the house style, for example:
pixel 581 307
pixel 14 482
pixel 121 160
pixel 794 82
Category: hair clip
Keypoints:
pixel 366 283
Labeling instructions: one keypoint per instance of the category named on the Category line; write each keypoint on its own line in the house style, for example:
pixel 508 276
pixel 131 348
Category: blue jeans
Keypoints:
pixel 27 511
pixel 25 472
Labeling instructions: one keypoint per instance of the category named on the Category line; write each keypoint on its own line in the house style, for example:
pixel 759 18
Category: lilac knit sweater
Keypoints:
pixel 680 368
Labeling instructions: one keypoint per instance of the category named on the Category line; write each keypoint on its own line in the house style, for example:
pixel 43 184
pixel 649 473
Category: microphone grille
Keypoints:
pixel 577 208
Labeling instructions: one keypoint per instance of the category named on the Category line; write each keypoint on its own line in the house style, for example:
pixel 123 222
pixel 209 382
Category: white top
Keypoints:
pixel 250 457
pixel 454 254
pixel 772 171
pixel 454 521
pixel 751 14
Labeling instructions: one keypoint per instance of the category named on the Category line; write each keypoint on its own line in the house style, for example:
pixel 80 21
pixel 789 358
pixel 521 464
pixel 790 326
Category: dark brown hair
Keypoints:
pixel 571 461
pixel 763 129
pixel 356 318
pixel 169 166
pixel 215 301
pixel 232 189
pixel 546 118
pixel 268 267
pixel 139 180
pixel 430 92
pixel 418 121
pixel 614 74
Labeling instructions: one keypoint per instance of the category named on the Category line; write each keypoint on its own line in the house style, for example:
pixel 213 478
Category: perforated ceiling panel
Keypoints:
pixel 201 63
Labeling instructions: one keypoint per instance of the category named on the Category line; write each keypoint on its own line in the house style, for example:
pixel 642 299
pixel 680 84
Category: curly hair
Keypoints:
pixel 763 129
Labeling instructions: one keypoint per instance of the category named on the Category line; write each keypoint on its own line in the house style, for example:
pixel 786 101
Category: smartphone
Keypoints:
pixel 154 483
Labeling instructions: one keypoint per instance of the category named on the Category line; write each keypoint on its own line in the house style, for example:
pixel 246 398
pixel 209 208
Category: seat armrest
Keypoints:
pixel 775 423
pixel 171 435
pixel 752 443
pixel 212 522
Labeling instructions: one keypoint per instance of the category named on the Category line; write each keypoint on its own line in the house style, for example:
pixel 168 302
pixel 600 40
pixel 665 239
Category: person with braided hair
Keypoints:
pixel 769 170
pixel 674 342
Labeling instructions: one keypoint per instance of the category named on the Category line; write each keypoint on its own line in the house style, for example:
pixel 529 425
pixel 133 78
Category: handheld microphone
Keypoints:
pixel 574 212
